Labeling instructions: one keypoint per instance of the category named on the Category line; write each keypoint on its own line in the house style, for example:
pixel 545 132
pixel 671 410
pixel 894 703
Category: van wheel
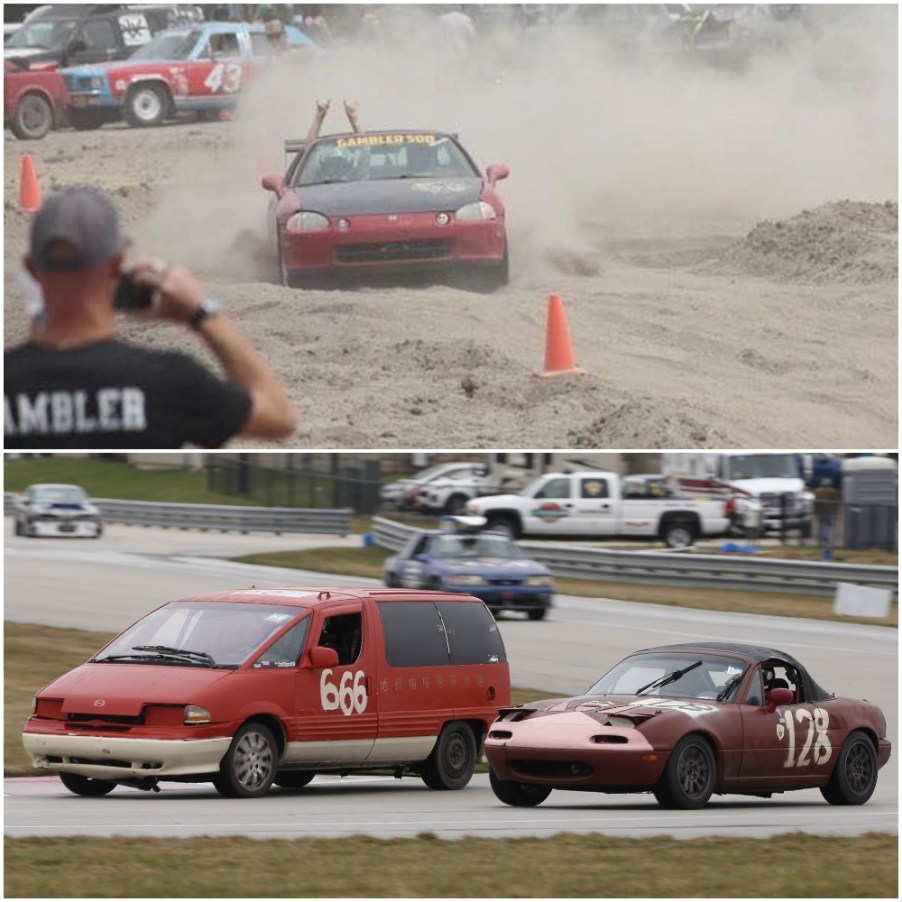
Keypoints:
pixel 451 763
pixel 294 779
pixel 86 786
pixel 249 766
pixel 520 795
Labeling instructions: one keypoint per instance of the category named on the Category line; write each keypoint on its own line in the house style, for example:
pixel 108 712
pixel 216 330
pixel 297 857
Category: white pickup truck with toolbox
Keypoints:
pixel 594 503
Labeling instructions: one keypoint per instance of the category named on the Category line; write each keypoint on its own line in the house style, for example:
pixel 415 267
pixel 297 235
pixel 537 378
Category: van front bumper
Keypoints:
pixel 116 758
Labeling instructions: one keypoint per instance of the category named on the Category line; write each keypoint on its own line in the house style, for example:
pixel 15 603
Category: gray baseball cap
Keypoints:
pixel 86 220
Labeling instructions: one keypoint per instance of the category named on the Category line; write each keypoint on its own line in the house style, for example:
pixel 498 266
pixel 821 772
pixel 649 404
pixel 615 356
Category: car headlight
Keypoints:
pixel 305 221
pixel 478 212
pixel 96 83
pixel 196 714
pixel 537 581
pixel 465 579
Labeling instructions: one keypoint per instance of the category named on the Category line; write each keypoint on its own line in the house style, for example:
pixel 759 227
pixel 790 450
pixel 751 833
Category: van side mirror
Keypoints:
pixel 322 657
pixel 777 697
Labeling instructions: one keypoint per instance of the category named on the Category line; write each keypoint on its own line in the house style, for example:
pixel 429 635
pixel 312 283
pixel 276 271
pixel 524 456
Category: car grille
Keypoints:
pixel 776 502
pixel 504 582
pixel 387 251
pixel 550 769
pixel 109 722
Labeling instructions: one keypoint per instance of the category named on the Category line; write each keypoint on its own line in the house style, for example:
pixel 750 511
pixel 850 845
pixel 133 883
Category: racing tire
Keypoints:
pixel 146 105
pixel 17 528
pixel 520 795
pixel 248 768
pixel 86 786
pixel 99 532
pixel 536 613
pixel 854 776
pixel 451 763
pixel 486 279
pixel 504 525
pixel 85 120
pixel 285 277
pixel 293 779
pixel 689 777
pixel 679 534
pixel 33 117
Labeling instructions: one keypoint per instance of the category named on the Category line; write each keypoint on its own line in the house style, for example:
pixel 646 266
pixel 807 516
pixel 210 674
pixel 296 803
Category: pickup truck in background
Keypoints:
pixel 595 503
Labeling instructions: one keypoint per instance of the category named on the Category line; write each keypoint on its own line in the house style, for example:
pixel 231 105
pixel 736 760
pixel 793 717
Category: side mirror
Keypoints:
pixel 77 46
pixel 777 697
pixel 322 657
pixel 273 183
pixel 496 172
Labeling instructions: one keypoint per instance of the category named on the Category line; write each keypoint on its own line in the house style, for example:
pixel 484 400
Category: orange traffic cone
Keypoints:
pixel 558 346
pixel 29 189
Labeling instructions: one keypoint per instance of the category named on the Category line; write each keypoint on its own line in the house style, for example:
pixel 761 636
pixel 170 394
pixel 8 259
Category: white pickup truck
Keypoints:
pixel 597 503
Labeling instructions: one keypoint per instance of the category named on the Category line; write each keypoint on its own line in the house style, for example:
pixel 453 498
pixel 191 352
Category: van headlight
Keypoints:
pixel 305 221
pixel 478 212
pixel 465 579
pixel 194 714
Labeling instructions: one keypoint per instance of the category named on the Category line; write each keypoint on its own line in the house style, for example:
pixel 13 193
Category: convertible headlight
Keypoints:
pixel 196 714
pixel 537 581
pixel 478 212
pixel 305 221
pixel 465 579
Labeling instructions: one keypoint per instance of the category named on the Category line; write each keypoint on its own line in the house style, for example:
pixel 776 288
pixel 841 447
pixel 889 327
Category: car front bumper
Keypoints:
pixel 118 758
pixel 65 528
pixel 405 242
pixel 510 598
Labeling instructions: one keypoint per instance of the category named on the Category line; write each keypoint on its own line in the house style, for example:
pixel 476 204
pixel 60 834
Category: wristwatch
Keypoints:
pixel 209 306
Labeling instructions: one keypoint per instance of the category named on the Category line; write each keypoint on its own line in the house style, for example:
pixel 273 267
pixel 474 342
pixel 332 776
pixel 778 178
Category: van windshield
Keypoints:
pixel 207 633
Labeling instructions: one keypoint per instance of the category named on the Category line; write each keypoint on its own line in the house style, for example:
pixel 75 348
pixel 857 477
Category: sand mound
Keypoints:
pixel 847 241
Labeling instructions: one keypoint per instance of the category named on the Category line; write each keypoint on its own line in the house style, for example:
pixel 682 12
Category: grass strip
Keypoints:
pixel 568 865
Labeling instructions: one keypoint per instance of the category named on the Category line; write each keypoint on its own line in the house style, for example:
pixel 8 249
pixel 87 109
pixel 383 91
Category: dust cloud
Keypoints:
pixel 607 136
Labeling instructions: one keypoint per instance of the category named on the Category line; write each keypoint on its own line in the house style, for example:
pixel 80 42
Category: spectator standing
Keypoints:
pixel 74 385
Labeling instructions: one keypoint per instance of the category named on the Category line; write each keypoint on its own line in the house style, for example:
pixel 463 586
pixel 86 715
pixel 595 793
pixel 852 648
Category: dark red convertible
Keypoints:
pixel 388 202
pixel 689 721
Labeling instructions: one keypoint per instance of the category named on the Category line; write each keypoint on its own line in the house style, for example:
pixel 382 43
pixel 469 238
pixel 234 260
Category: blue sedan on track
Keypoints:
pixel 485 564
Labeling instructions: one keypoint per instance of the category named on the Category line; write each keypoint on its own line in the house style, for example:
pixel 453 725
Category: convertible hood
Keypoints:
pixel 389 196
pixel 124 689
pixel 634 707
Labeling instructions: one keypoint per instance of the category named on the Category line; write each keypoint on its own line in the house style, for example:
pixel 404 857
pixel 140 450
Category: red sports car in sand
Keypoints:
pixel 388 201
pixel 689 721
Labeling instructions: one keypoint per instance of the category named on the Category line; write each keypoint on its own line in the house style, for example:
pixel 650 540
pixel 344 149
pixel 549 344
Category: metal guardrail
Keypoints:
pixel 683 569
pixel 218 517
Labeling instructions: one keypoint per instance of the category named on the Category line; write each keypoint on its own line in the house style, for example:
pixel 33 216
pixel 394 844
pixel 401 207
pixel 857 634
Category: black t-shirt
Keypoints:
pixel 115 395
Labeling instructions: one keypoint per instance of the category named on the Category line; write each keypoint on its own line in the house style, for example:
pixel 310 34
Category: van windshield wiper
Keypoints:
pixel 167 651
pixel 668 678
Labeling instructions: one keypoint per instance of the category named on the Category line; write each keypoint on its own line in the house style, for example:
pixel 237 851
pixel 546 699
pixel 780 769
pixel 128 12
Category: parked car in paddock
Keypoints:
pixel 464 558
pixel 688 721
pixel 199 68
pixel 444 488
pixel 34 102
pixel 395 201
pixel 259 686
pixel 56 509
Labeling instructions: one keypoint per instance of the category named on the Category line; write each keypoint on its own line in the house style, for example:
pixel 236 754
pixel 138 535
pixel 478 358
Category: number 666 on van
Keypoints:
pixel 259 686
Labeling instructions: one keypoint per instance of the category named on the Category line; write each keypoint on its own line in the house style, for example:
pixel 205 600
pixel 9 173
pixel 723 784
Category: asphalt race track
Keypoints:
pixel 105 585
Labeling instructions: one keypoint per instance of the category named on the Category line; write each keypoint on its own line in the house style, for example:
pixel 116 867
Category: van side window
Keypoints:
pixel 286 651
pixel 344 633
pixel 473 635
pixel 413 634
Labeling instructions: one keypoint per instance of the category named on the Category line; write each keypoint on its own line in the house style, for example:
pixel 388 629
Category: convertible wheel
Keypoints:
pixel 294 779
pixel 688 779
pixel 854 776
pixel 33 117
pixel 520 795
pixel 249 766
pixel 453 760
pixel 86 786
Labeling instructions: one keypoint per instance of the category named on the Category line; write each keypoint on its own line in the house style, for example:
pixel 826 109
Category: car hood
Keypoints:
pixel 124 689
pixel 635 708
pixel 769 485
pixel 389 196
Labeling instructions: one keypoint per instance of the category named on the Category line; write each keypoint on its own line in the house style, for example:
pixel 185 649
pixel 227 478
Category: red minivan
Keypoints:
pixel 252 687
